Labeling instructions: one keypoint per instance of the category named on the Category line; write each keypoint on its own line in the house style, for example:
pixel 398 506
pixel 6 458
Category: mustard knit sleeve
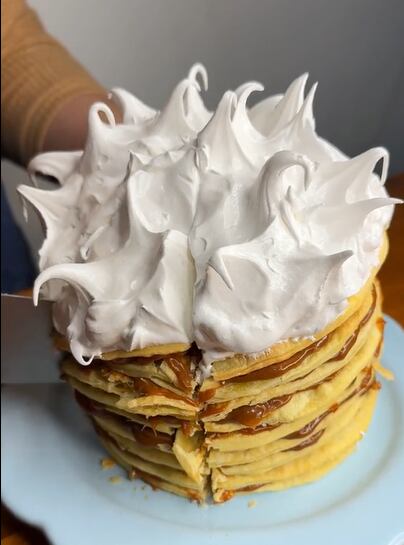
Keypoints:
pixel 38 77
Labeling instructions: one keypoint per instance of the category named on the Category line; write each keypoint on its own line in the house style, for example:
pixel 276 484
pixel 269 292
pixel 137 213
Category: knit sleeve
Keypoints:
pixel 38 77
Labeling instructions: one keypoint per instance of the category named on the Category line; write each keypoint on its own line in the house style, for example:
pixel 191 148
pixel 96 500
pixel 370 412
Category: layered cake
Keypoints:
pixel 214 278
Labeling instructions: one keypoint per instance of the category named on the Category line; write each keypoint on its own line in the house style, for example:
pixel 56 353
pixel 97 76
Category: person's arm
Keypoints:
pixel 46 94
pixel 67 129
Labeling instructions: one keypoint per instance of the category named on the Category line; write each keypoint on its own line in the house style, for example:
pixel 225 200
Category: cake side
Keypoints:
pixel 288 425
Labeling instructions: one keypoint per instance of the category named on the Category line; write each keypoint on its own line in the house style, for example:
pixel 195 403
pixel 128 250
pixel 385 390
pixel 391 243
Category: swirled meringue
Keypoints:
pixel 235 230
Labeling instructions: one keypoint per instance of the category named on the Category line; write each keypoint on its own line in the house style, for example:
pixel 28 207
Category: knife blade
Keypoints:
pixel 27 352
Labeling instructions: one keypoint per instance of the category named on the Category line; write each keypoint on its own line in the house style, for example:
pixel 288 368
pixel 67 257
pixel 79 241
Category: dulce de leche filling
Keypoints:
pixel 181 367
pixel 148 387
pixel 252 415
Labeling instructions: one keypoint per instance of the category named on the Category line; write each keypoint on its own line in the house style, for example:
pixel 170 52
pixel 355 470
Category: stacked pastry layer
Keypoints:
pixel 264 422
pixel 145 412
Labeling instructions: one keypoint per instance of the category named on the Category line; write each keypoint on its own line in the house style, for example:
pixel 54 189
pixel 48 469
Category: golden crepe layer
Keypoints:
pixel 258 423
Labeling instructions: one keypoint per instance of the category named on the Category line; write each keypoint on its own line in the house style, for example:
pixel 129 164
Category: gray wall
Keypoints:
pixel 354 48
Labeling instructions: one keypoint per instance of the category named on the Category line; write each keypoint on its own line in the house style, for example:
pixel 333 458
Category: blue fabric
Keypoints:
pixel 17 268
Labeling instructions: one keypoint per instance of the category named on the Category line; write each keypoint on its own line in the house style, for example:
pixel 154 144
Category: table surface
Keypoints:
pixel 15 532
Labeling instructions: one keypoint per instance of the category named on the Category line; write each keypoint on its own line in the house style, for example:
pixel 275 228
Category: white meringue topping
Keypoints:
pixel 235 230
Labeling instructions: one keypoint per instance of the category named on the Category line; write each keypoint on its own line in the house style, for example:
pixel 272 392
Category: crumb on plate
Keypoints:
pixel 107 463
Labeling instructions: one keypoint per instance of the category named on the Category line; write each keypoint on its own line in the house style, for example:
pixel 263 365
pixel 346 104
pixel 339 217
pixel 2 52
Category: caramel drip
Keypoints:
pixel 212 409
pixel 368 382
pixel 143 440
pixel 252 415
pixel 180 365
pixel 380 323
pixel 245 431
pixel 380 326
pixel 278 369
pixel 307 442
pixel 250 488
pixel 227 495
pixel 258 429
pixel 311 426
pixel 188 427
pixel 376 385
pixel 349 343
pixel 147 387
pixel 206 395
pixel 379 348
pixel 323 381
pixel 150 437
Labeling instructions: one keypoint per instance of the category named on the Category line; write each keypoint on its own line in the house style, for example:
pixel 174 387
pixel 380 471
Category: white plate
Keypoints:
pixel 51 477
